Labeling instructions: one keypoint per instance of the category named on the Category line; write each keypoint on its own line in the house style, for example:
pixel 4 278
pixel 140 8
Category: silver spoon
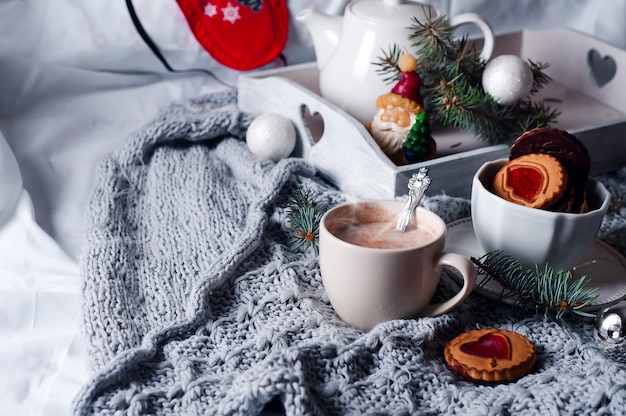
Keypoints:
pixel 418 184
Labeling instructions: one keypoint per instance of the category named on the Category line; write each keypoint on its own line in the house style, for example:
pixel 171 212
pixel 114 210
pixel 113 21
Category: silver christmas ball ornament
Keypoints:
pixel 610 333
pixel 508 79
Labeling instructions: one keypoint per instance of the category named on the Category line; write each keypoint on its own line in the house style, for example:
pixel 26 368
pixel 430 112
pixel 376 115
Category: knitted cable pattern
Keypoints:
pixel 194 303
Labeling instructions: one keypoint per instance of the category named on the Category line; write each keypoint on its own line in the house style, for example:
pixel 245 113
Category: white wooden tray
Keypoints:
pixel 589 80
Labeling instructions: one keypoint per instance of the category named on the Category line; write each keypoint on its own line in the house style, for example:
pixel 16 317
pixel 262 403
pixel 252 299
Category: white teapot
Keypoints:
pixel 347 47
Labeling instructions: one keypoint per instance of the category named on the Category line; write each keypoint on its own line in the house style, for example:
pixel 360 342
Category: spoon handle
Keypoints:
pixel 418 184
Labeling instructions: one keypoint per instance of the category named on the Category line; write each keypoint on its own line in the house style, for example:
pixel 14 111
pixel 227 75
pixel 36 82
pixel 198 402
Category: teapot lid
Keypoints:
pixel 390 11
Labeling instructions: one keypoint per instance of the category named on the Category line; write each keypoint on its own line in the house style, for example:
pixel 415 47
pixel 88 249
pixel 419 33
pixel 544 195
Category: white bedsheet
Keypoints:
pixel 65 120
pixel 43 360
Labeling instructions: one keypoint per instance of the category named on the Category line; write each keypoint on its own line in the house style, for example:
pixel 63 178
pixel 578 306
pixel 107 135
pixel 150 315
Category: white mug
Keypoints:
pixel 373 273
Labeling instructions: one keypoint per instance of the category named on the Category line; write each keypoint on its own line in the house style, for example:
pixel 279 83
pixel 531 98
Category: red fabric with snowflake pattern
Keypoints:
pixel 241 34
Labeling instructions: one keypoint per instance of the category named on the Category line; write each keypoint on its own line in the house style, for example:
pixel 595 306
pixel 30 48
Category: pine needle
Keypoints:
pixel 388 64
pixel 553 290
pixel 540 78
pixel 305 214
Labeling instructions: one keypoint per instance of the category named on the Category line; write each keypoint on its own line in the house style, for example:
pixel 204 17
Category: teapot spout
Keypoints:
pixel 325 31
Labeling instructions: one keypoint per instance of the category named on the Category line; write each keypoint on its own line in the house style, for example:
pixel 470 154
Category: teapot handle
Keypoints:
pixel 489 38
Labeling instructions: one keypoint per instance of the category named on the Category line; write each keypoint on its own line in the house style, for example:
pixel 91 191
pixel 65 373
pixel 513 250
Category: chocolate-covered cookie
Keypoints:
pixel 566 148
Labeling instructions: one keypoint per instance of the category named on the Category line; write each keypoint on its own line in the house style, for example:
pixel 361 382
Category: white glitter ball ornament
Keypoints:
pixel 271 136
pixel 508 79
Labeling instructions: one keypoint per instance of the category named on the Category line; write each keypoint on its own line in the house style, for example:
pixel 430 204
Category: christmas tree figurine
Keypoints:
pixel 419 144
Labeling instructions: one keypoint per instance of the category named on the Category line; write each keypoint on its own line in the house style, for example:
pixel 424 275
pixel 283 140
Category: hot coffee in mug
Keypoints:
pixel 373 273
pixel 383 234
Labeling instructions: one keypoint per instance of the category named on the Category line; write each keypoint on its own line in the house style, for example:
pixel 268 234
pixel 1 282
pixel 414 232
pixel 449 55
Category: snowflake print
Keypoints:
pixel 210 9
pixel 231 13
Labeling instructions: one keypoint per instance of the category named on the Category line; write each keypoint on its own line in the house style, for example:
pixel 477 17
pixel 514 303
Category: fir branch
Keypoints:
pixel 388 66
pixel 451 74
pixel 540 78
pixel 443 57
pixel 553 290
pixel 433 36
pixel 305 213
pixel 536 114
pixel 465 60
pixel 461 105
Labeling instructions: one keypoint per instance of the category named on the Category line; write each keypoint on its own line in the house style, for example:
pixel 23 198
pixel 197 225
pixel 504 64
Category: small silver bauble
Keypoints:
pixel 610 333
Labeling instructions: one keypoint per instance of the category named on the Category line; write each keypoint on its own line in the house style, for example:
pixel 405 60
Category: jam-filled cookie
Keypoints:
pixel 490 355
pixel 569 150
pixel 564 146
pixel 534 180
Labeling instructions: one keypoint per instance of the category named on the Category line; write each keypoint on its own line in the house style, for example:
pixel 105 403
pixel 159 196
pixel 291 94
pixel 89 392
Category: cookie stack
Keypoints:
pixel 548 169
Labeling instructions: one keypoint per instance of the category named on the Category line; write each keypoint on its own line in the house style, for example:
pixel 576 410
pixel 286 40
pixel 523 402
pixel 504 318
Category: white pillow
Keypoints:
pixel 99 34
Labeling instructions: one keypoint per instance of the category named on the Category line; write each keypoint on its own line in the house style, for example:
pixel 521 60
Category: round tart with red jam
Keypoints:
pixel 534 180
pixel 490 355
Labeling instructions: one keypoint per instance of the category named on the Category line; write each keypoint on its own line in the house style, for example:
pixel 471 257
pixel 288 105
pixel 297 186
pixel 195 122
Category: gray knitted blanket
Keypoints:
pixel 195 304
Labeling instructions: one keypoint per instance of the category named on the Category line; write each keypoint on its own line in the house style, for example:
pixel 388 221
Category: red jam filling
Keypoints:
pixel 525 181
pixel 490 345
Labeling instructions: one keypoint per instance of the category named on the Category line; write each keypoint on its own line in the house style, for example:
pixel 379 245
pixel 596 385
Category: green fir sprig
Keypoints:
pixel 387 64
pixel 304 216
pixel 553 290
pixel 451 73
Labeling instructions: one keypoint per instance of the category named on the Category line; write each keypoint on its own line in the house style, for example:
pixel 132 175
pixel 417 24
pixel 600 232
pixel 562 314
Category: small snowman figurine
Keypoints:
pixel 401 116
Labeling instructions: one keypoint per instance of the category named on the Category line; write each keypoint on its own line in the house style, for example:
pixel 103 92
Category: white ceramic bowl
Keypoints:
pixel 532 235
